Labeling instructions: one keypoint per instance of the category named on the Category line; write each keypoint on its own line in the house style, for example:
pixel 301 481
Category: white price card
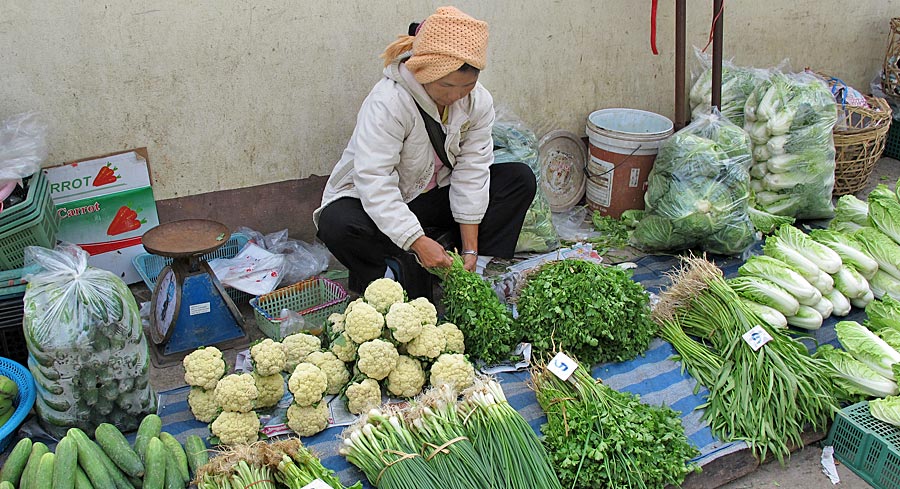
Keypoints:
pixel 317 484
pixel 562 366
pixel 757 337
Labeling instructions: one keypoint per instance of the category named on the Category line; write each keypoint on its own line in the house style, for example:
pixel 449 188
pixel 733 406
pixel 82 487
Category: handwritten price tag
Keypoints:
pixel 317 484
pixel 562 366
pixel 757 337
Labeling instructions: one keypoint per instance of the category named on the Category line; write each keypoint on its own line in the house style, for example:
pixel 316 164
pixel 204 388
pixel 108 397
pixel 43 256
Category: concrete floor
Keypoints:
pixel 802 470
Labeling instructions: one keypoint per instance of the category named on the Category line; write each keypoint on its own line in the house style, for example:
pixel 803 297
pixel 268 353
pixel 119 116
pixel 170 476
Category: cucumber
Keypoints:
pixel 150 427
pixel 119 451
pixel 38 449
pixel 81 479
pixel 43 478
pixel 173 473
pixel 87 459
pixel 136 482
pixel 66 462
pixel 15 463
pixel 174 447
pixel 195 450
pixel 6 485
pixel 155 464
pixel 120 480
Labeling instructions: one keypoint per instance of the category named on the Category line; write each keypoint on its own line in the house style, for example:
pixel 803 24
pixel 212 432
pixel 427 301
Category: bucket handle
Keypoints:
pixel 590 175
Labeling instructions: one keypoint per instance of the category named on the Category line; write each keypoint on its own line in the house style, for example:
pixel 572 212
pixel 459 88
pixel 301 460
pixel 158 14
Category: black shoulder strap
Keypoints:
pixel 436 135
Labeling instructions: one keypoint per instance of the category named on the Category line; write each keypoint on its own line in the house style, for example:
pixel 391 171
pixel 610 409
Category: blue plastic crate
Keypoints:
pixel 149 266
pixel 24 402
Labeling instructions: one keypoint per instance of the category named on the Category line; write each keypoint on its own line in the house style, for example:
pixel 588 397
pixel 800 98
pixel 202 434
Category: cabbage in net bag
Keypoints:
pixel 87 350
pixel 790 118
pixel 698 191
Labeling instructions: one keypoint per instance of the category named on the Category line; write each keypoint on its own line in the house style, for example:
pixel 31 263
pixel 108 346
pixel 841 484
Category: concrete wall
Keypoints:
pixel 234 94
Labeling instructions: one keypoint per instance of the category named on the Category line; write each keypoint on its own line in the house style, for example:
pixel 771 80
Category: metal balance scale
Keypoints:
pixel 189 307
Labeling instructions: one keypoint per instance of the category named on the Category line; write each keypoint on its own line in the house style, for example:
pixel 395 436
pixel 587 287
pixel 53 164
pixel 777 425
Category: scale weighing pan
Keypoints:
pixel 186 238
pixel 189 307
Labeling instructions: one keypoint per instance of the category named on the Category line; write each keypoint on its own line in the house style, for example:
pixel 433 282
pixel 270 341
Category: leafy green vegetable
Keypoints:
pixel 890 336
pixel 884 313
pixel 855 376
pixel 887 409
pixel 767 223
pixel 807 318
pixel 598 437
pixel 866 347
pixel 851 209
pixel 777 248
pixel 882 248
pixel 780 273
pixel 737 84
pixel 884 213
pixel 758 289
pixel 593 311
pixel 631 217
pixel 884 285
pixel 851 251
pixel 613 232
pixel 840 303
pixel 771 316
pixel 850 283
pixel 471 304
pixel 820 255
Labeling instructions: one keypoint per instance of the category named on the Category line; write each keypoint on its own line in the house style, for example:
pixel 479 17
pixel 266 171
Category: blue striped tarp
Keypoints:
pixel 654 377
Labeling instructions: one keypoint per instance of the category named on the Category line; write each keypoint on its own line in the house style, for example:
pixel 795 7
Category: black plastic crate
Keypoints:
pixel 12 336
pixel 892 141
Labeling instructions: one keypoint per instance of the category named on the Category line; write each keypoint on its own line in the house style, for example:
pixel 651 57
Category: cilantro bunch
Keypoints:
pixel 594 311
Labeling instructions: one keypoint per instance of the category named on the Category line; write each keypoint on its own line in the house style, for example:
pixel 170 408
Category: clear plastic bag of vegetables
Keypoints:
pixel 698 191
pixel 790 118
pixel 87 350
pixel 514 142
pixel 738 82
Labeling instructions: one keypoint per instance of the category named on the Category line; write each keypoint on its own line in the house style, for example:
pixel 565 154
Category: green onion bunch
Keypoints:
pixel 384 449
pixel 505 441
pixel 599 437
pixel 766 398
pixel 438 429
pixel 296 467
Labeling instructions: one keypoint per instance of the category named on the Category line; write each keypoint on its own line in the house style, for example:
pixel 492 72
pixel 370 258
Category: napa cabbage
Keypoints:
pixel 855 376
pixel 886 409
pixel 850 250
pixel 866 347
pixel 884 313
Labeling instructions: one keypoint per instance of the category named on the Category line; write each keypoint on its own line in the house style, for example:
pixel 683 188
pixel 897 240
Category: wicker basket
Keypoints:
pixel 859 144
pixel 890 76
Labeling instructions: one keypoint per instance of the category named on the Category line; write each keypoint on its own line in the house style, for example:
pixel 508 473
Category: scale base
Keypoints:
pixel 161 360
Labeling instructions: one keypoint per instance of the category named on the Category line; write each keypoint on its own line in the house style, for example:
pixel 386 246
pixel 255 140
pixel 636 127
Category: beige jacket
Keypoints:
pixel 389 159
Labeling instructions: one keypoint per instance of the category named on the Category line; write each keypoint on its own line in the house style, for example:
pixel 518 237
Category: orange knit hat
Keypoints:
pixel 445 40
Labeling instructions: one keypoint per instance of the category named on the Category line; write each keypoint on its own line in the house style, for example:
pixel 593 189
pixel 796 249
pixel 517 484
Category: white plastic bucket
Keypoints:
pixel 623 147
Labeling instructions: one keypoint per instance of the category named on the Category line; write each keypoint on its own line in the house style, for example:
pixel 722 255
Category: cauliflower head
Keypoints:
pixel 454 370
pixel 377 358
pixel 270 387
pixel 426 310
pixel 383 292
pixel 429 344
pixel 407 378
pixel 456 342
pixel 203 404
pixel 336 322
pixel 363 396
pixel 307 384
pixel 204 367
pixel 307 420
pixel 335 370
pixel 296 347
pixel 237 393
pixel 344 348
pixel 404 320
pixel 234 428
pixel 363 323
pixel 268 357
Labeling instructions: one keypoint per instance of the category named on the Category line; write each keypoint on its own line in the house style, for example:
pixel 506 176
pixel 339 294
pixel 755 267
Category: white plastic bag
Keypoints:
pixel 23 146
pixel 87 350
pixel 254 270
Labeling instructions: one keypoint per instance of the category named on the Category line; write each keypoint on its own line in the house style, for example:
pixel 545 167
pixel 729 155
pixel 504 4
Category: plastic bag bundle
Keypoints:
pixel 790 118
pixel 513 142
pixel 301 260
pixel 698 191
pixel 87 350
pixel 738 82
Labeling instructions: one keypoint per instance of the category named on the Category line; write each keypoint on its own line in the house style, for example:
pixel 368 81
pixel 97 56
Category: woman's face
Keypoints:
pixel 444 91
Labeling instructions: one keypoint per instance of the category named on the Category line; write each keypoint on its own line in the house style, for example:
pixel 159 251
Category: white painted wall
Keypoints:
pixel 230 94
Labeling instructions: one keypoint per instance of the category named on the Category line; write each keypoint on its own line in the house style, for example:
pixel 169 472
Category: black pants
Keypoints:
pixel 355 240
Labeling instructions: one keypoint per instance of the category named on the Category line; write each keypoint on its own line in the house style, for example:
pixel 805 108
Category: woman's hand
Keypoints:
pixel 431 254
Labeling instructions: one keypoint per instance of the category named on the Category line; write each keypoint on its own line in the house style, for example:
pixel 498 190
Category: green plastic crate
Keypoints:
pixel 37 227
pixel 892 141
pixel 37 191
pixel 868 446
pixel 315 299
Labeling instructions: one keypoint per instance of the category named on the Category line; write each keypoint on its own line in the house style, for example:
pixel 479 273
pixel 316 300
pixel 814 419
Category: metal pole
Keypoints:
pixel 680 36
pixel 718 19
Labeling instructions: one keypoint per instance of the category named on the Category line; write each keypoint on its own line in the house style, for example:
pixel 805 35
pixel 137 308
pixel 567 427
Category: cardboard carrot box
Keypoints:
pixel 105 204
